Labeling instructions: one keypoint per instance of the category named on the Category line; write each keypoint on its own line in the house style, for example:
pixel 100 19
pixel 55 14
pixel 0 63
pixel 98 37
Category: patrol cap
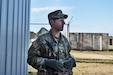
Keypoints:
pixel 57 14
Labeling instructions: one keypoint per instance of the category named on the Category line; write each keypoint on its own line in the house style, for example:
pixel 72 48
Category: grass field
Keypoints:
pixel 91 66
pixel 91 62
pixel 93 69
pixel 111 48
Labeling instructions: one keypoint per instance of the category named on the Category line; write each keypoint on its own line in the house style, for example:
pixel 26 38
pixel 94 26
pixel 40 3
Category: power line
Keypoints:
pixel 39 24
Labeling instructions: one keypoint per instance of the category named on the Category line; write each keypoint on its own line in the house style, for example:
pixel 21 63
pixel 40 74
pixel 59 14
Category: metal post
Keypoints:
pixel 68 32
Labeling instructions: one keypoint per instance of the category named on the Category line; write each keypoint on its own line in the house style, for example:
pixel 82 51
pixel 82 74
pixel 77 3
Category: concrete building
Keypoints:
pixel 89 41
pixel 111 41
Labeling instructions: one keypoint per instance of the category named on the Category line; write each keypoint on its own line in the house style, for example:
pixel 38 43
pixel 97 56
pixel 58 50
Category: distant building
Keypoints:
pixel 89 41
pixel 111 41
pixel 42 31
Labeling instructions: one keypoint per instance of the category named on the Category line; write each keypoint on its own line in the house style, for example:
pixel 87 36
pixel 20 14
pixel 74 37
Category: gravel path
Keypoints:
pixel 92 56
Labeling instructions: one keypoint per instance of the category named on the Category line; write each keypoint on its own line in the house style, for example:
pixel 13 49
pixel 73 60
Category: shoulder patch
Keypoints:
pixel 35 44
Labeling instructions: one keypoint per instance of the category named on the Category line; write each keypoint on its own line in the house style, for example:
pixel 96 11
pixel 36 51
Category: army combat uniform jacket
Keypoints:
pixel 49 47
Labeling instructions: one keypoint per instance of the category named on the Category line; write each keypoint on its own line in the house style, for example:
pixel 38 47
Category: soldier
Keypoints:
pixel 50 53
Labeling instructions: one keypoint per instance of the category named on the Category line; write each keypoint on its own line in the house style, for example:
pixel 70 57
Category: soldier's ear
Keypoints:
pixel 52 22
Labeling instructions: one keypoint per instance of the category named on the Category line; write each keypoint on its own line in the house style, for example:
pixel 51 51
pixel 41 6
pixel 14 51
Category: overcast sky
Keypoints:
pixel 89 16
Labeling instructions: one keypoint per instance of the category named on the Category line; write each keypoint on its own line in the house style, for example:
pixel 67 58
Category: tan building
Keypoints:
pixel 89 41
pixel 111 41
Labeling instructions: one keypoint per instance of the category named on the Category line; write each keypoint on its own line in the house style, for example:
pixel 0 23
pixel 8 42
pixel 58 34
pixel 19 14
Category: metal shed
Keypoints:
pixel 89 41
pixel 14 36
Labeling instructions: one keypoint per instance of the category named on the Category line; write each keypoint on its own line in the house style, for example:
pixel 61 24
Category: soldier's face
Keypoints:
pixel 59 24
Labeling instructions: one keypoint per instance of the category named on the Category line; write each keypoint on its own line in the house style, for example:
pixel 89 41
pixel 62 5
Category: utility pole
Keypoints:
pixel 68 28
pixel 39 24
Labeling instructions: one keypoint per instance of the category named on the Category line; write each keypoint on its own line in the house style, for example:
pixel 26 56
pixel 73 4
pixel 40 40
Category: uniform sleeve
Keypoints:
pixel 34 54
pixel 69 49
pixel 74 65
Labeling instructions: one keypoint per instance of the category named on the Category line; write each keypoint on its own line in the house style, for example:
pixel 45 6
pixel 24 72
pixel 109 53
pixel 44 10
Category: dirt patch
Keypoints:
pixel 91 56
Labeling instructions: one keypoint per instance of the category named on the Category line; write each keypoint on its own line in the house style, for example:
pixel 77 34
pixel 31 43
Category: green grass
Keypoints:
pixel 111 48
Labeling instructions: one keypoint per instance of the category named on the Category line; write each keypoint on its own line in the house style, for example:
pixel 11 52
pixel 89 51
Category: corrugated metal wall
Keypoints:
pixel 89 41
pixel 14 36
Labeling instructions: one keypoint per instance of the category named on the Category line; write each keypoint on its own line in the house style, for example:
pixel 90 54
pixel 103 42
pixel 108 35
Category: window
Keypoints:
pixel 110 42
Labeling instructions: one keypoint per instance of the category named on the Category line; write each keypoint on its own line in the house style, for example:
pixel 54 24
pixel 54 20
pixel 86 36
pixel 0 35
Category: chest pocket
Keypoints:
pixel 49 52
pixel 62 51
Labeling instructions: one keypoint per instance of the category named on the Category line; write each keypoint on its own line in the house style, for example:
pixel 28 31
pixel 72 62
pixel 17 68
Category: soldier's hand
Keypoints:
pixel 69 63
pixel 54 64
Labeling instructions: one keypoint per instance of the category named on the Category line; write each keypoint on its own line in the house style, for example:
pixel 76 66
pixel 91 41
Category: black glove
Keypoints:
pixel 69 63
pixel 54 64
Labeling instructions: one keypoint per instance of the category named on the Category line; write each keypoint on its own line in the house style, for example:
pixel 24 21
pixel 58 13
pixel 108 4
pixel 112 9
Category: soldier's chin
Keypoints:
pixel 61 30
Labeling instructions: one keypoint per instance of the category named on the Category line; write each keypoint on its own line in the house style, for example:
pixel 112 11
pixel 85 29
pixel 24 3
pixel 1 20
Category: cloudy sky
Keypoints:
pixel 89 16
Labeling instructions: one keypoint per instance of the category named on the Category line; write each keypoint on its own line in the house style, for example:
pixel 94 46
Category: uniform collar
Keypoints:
pixel 53 37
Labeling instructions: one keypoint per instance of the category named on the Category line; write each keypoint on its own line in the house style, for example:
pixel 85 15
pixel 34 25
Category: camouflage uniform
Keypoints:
pixel 49 47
